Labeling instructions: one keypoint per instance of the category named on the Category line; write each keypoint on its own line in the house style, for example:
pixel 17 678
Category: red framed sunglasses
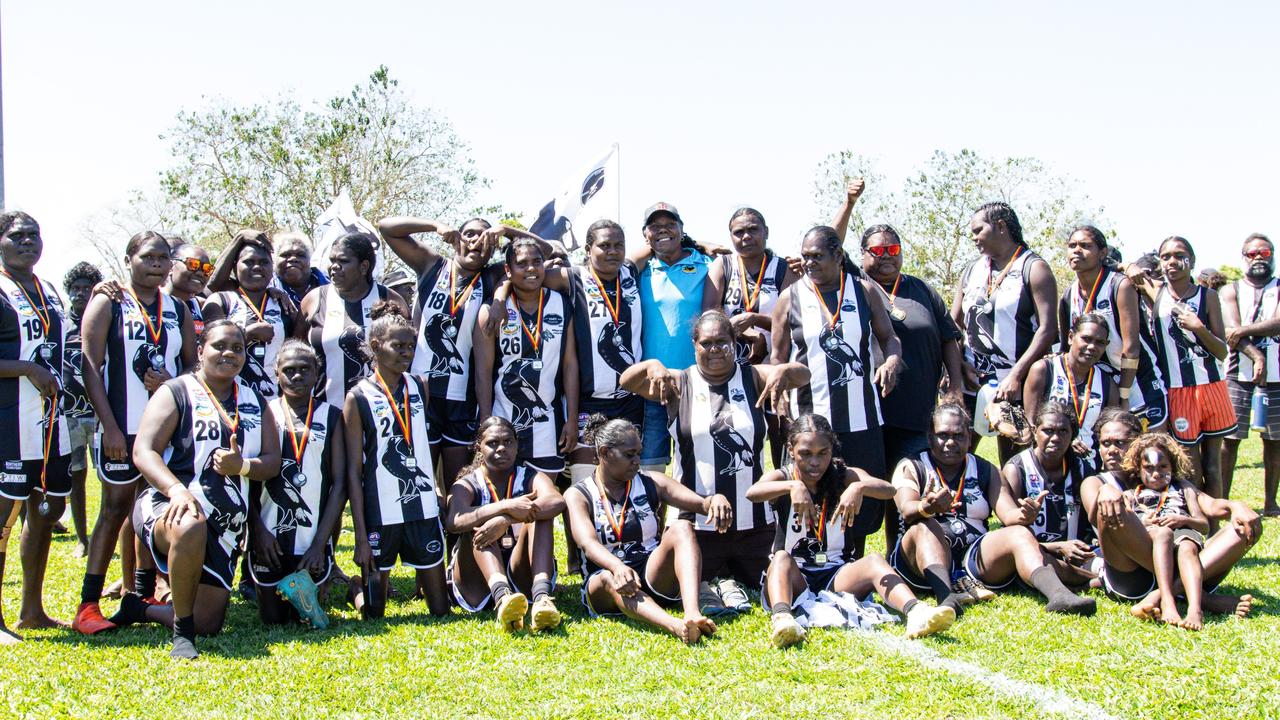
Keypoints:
pixel 881 251
pixel 1259 254
pixel 198 265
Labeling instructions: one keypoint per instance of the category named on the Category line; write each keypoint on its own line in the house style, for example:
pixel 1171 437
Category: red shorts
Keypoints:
pixel 1200 411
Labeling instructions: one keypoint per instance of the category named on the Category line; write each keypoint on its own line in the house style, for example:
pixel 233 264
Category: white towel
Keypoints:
pixel 838 609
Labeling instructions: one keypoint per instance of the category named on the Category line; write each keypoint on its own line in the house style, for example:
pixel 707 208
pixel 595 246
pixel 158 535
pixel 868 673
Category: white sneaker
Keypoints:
pixel 926 620
pixel 786 631
pixel 734 595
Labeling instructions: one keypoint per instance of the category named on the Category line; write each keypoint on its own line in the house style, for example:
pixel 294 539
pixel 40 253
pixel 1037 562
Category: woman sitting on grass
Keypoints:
pixel 816 499
pixel 505 513
pixel 632 565
pixel 1165 501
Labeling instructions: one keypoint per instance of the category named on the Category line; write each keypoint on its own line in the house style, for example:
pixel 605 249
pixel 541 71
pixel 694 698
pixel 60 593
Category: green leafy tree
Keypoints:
pixel 1231 272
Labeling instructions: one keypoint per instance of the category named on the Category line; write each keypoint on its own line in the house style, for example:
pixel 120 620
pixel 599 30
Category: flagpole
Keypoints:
pixel 617 153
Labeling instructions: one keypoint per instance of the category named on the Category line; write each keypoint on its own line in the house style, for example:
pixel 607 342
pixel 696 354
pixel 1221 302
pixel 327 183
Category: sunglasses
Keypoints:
pixel 1259 254
pixel 890 250
pixel 198 265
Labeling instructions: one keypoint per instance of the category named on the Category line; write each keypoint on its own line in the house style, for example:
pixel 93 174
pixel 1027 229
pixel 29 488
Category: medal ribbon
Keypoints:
pixel 1163 496
pixel 217 405
pixel 1093 294
pixel 258 310
pixel 893 294
pixel 534 339
pixel 613 307
pixel 608 508
pixel 401 419
pixel 749 304
pixel 455 299
pixel 1075 400
pixel 832 318
pixel 1000 278
pixel 511 484
pixel 959 493
pixel 299 446
pixel 153 332
pixel 41 312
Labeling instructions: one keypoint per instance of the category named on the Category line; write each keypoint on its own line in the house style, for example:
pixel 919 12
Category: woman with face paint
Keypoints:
pixel 1075 379
pixel 1187 320
pixel 35 446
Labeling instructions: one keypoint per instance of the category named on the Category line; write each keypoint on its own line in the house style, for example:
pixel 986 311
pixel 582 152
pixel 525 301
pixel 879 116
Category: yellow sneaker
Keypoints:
pixel 545 615
pixel 511 611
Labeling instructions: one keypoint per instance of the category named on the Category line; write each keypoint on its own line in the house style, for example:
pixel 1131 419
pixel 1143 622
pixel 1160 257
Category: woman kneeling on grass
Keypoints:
pixel 200 441
pixel 632 565
pixel 504 512
pixel 812 496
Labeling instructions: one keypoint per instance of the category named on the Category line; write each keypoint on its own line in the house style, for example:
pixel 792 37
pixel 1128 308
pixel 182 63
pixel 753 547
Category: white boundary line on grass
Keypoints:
pixel 1045 698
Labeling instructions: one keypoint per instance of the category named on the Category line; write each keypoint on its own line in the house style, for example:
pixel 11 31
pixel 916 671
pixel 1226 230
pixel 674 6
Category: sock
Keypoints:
pixel 91 590
pixel 907 608
pixel 1060 599
pixel 780 607
pixel 954 602
pixel 185 627
pixel 937 577
pixel 144 582
pixel 132 610
pixel 541 589
pixel 184 638
pixel 499 589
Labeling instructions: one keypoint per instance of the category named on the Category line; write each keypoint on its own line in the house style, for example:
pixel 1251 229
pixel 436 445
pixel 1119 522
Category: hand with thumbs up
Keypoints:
pixel 1029 508
pixel 229 461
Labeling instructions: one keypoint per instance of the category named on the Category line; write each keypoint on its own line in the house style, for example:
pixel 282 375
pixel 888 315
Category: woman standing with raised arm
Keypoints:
pixel 252 307
pixel 132 346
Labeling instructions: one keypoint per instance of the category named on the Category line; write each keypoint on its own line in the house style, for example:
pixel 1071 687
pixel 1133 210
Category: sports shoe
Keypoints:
pixel 733 595
pixel 926 620
pixel 709 602
pixel 511 611
pixel 974 589
pixel 90 621
pixel 1010 421
pixel 300 591
pixel 248 591
pixel 786 631
pixel 545 615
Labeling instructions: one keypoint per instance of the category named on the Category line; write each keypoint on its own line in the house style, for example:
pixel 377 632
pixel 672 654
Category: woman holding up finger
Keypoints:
pixel 817 496
pixel 632 565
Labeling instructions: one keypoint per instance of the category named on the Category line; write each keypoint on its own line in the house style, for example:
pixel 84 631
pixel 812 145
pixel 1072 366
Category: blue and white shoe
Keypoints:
pixel 300 591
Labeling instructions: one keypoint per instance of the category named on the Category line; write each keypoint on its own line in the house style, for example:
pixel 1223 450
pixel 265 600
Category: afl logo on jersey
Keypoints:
pixel 848 306
pixel 628 283
pixel 512 325
pixel 375 539
pixel 1103 305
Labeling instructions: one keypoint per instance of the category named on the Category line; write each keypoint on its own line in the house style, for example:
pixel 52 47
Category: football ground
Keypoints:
pixel 1003 659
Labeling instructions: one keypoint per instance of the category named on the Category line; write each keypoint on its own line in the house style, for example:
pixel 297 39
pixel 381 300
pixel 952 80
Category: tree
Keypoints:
pixel 108 230
pixel 935 203
pixel 275 166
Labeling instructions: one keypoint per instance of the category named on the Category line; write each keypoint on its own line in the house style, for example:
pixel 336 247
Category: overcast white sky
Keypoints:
pixel 1165 112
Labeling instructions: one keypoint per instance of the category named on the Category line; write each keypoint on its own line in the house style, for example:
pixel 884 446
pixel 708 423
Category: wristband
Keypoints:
pixel 1128 363
pixel 1125 392
pixel 924 512
pixel 244 468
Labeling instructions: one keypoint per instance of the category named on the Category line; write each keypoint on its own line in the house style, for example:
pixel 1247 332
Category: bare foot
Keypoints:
pixel 9 637
pixel 691 632
pixel 1244 606
pixel 1148 609
pixel 1194 620
pixel 81 549
pixel 41 621
pixel 1169 613
pixel 706 625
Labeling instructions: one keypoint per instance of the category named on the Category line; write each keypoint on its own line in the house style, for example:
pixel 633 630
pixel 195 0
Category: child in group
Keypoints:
pixel 1165 501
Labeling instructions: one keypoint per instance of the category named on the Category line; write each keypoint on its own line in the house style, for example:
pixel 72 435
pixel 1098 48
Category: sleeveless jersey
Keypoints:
pixel 293 502
pixel 740 290
pixel 520 482
pixel 447 308
pixel 999 328
pixel 798 539
pixel 197 315
pixel 528 390
pixel 25 416
pixel 1256 304
pixel 1060 516
pixel 1109 478
pixel 1072 305
pixel 1090 399
pixel 131 351
pixel 259 371
pixel 201 430
pixel 337 334
pixel 971 511
pixel 719 437
pixel 1145 500
pixel 606 347
pixel 74 400
pixel 1183 360
pixel 398 482
pixel 839 358
pixel 641 527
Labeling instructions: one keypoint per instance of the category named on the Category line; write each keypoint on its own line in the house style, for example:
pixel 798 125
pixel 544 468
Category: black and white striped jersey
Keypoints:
pixel 448 305
pixel 838 355
pixel 292 503
pixel 399 481
pixel 606 345
pixel 337 333
pixel 32 329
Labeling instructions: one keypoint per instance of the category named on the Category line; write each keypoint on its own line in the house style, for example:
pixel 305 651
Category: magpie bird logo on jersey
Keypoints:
pixel 520 385
pixel 730 441
pixel 351 341
pixel 980 326
pixel 74 401
pixel 286 492
pixel 399 460
pixel 147 357
pixel 440 333
pixel 223 495
pixel 1184 343
pixel 612 347
pixel 842 354
pixel 255 375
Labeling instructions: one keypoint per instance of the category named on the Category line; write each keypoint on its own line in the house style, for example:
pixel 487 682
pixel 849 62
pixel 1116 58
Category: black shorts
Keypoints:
pixel 451 423
pixel 865 450
pixel 19 478
pixel 740 554
pixel 960 537
pixel 268 577
pixel 1127 585
pixel 630 408
pixel 639 563
pixel 116 472
pixel 218 570
pixel 815 579
pixel 418 544
pixel 902 443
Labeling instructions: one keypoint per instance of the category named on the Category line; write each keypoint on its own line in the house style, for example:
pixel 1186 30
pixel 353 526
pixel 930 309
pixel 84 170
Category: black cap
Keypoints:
pixel 662 207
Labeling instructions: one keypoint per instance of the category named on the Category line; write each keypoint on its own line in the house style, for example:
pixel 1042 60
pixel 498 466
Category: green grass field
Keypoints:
pixel 1004 659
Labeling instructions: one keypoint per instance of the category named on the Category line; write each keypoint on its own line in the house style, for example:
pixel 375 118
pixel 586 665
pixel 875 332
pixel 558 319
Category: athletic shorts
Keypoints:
pixel 640 564
pixel 1242 402
pixel 219 568
pixel 960 537
pixel 1200 411
pixel 1127 585
pixel 269 577
pixel 81 431
pixel 740 554
pixel 1149 399
pixel 507 554
pixel 116 472
pixel 418 544
pixel 451 422
pixel 971 568
pixel 19 478
pixel 815 579
pixel 655 438
pixel 630 408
